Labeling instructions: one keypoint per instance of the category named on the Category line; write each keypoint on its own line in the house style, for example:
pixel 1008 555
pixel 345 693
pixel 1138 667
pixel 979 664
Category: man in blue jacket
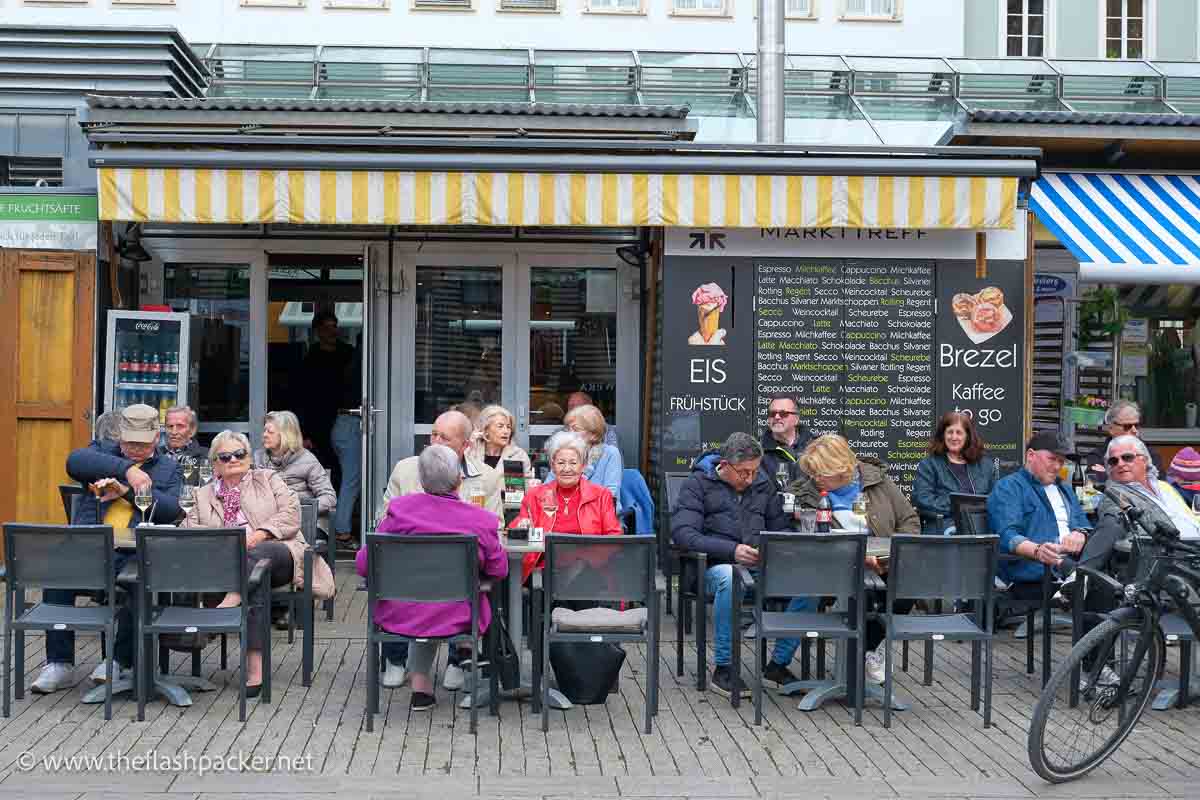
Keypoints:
pixel 113 471
pixel 1037 517
pixel 721 508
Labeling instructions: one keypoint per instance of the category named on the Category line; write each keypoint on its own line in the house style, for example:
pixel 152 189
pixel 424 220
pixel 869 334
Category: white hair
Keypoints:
pixel 567 440
pixel 1114 411
pixel 225 436
pixel 1139 445
pixel 439 470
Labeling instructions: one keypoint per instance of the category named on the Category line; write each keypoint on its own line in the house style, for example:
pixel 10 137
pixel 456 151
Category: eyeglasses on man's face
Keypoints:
pixel 1127 458
pixel 745 473
pixel 779 412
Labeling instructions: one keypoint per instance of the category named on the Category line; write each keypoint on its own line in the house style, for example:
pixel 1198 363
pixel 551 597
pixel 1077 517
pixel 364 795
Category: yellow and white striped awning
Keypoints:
pixel 329 197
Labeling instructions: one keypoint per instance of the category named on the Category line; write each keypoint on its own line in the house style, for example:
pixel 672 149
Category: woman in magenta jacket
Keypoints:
pixel 437 510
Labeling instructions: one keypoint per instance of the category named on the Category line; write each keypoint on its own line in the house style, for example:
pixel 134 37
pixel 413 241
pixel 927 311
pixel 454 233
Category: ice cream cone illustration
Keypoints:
pixel 710 301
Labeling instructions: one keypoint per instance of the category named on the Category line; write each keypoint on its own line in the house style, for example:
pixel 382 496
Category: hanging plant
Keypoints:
pixel 1101 316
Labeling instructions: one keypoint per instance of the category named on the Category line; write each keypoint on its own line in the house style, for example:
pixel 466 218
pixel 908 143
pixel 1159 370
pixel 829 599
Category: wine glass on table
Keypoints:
pixel 189 467
pixel 187 498
pixel 859 508
pixel 206 472
pixel 143 499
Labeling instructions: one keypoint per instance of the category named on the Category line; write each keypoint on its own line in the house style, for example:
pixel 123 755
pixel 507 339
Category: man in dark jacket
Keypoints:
pixel 785 437
pixel 181 443
pixel 721 508
pixel 114 472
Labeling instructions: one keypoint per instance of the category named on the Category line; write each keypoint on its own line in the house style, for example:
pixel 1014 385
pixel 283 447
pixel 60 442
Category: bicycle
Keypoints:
pixel 1095 698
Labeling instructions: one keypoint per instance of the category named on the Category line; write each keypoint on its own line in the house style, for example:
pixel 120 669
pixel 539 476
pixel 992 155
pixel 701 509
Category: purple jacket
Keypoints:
pixel 422 514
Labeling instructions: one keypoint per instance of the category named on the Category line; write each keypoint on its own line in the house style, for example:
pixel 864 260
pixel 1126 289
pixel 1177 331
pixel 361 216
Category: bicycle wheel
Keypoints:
pixel 1065 741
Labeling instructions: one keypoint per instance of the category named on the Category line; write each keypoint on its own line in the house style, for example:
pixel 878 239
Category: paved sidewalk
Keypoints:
pixel 700 746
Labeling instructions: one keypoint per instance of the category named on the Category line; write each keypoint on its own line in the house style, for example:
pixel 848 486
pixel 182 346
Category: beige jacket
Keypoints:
pixel 511 452
pixel 271 506
pixel 406 480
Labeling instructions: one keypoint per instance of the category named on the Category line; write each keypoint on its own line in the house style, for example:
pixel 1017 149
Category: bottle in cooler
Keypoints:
pixel 154 373
pixel 134 374
pixel 824 513
pixel 163 404
pixel 123 367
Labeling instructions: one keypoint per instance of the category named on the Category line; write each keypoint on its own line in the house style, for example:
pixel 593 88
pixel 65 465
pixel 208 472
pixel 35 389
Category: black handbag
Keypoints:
pixel 586 671
pixel 507 658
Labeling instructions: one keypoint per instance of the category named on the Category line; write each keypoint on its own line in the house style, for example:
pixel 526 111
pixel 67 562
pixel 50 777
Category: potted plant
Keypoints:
pixel 1101 316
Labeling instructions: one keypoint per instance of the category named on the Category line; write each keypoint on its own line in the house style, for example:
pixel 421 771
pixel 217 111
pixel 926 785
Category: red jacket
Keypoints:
pixel 597 516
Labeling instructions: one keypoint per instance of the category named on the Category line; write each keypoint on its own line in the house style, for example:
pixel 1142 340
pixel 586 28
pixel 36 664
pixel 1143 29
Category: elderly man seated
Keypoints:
pixel 113 471
pixel 181 426
pixel 722 507
pixel 1037 518
pixel 436 509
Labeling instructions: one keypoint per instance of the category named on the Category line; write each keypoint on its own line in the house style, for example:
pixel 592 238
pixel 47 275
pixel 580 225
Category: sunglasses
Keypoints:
pixel 781 414
pixel 1126 426
pixel 236 455
pixel 1126 457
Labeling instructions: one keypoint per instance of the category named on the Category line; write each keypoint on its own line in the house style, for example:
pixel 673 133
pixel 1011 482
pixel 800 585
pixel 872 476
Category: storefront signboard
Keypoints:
pixel 855 325
pixel 48 221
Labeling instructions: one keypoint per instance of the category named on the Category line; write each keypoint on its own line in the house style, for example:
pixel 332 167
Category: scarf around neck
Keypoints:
pixel 231 503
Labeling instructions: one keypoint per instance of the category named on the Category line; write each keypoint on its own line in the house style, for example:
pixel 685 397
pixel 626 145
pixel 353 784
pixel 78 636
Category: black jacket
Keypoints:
pixel 709 518
pixel 776 453
pixel 104 460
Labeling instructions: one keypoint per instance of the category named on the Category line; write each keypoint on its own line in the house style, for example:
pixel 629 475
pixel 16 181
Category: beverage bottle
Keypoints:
pixel 163 405
pixel 123 367
pixel 135 366
pixel 781 475
pixel 173 369
pixel 824 513
pixel 154 371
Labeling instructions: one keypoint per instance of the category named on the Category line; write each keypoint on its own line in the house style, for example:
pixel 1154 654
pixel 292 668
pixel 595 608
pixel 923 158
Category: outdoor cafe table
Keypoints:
pixel 516 551
pixel 173 689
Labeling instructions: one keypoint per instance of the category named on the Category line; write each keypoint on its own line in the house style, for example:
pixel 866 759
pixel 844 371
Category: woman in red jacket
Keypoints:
pixel 570 503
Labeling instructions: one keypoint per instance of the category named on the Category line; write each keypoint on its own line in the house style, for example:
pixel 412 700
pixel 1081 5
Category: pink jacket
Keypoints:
pixel 424 514
pixel 268 504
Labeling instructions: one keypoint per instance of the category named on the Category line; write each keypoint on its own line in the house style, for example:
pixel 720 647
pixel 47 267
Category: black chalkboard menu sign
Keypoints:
pixel 874 348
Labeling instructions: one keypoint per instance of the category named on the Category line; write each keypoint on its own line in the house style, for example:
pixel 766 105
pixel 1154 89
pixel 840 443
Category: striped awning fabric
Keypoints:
pixel 1124 228
pixel 576 199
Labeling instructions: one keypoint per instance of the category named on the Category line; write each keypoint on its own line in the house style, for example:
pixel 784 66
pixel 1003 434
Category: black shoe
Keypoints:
pixel 778 674
pixel 253 691
pixel 723 682
pixel 421 702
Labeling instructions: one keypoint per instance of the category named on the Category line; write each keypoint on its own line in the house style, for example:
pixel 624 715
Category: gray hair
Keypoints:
pixel 108 427
pixel 439 470
pixel 225 436
pixel 193 420
pixel 1139 445
pixel 1114 411
pixel 490 415
pixel 740 447
pixel 567 440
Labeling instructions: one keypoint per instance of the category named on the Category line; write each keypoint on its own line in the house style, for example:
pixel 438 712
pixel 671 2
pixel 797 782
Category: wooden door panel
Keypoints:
pixel 46 299
pixel 40 469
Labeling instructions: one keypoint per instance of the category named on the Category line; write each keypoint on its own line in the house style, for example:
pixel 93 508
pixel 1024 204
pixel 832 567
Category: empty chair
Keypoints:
pixel 56 557
pixel 299 600
pixel 935 568
pixel 600 569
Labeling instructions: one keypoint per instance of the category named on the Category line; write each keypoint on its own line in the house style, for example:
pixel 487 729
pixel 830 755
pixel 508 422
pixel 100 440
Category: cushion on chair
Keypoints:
pixel 599 620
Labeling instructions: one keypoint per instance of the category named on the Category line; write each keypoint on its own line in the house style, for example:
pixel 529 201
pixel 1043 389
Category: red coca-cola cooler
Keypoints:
pixel 146 360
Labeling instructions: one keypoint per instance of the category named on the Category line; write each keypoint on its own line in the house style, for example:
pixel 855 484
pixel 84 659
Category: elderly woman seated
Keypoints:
pixel 436 510
pixel 602 464
pixel 828 464
pixel 259 501
pixel 283 451
pixel 492 442
pixel 569 503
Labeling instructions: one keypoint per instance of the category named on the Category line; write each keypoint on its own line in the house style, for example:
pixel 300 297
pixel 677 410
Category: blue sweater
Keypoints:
pixel 1018 510
pixel 606 472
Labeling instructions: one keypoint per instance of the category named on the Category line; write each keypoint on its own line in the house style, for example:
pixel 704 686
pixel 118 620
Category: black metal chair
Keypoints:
pixel 299 602
pixel 56 557
pixel 819 565
pixel 668 554
pixel 199 560
pixel 600 569
pixel 431 568
pixel 935 568
pixel 71 494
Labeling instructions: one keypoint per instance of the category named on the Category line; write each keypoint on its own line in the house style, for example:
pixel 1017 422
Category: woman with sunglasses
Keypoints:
pixel 955 464
pixel 258 501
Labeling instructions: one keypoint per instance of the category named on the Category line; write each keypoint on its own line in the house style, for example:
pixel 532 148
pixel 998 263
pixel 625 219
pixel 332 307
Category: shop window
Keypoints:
pixel 1163 369
pixel 529 5
pixel 1125 29
pixel 871 10
pixel 1025 28
pixel 709 8
pixel 30 171
pixel 616 7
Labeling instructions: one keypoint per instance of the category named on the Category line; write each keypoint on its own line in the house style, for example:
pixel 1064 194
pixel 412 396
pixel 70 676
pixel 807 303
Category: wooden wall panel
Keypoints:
pixel 40 469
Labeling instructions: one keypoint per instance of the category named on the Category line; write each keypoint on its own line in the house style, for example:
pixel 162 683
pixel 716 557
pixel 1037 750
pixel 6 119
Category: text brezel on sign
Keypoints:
pixel 48 221
pixel 875 332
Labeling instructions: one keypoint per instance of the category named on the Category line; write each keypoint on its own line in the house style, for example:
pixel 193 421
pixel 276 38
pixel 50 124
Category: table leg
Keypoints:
pixel 820 692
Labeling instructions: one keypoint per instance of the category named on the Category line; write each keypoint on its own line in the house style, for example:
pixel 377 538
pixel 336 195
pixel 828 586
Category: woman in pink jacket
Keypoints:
pixel 437 510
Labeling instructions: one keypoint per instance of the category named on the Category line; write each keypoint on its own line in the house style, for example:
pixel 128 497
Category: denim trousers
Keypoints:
pixel 60 645
pixel 347 443
pixel 718 581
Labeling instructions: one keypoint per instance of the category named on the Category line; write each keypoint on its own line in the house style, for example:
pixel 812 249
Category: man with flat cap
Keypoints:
pixel 1037 517
pixel 113 472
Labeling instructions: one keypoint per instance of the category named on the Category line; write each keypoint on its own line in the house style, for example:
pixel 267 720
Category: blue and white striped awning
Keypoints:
pixel 1124 228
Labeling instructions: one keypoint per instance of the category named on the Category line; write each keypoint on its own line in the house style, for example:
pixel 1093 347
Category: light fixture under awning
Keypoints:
pixel 1124 228
pixel 382 197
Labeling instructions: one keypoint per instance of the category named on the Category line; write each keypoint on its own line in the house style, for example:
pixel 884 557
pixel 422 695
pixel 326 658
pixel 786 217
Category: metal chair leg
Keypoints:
pixel 372 682
pixel 928 662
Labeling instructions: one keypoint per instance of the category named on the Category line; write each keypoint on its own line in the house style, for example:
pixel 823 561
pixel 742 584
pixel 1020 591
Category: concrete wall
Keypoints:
pixel 1176 27
pixel 928 27
pixel 1078 29
pixel 981 28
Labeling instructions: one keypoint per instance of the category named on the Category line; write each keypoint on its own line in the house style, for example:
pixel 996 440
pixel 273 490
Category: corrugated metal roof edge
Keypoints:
pixel 387 106
pixel 1083 118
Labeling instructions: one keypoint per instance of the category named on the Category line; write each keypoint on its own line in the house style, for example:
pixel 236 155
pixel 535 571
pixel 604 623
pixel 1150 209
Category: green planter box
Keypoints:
pixel 1085 416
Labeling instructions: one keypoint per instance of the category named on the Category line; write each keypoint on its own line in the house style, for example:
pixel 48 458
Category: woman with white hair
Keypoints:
pixel 569 503
pixel 492 442
pixel 259 501
pixel 283 451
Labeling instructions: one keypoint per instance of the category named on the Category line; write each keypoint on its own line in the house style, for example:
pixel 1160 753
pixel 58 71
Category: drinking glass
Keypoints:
pixel 189 466
pixel 187 498
pixel 808 520
pixel 859 509
pixel 206 472
pixel 143 500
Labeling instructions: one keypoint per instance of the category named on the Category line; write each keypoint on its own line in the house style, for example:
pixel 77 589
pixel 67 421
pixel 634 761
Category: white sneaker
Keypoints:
pixel 1107 677
pixel 100 674
pixel 53 677
pixel 454 678
pixel 394 675
pixel 874 665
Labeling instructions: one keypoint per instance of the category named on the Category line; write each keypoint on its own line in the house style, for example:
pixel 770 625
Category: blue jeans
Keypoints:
pixel 347 443
pixel 60 645
pixel 718 581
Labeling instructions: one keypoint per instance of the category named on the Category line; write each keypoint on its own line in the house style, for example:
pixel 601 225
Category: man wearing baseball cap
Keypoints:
pixel 1037 517
pixel 113 472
